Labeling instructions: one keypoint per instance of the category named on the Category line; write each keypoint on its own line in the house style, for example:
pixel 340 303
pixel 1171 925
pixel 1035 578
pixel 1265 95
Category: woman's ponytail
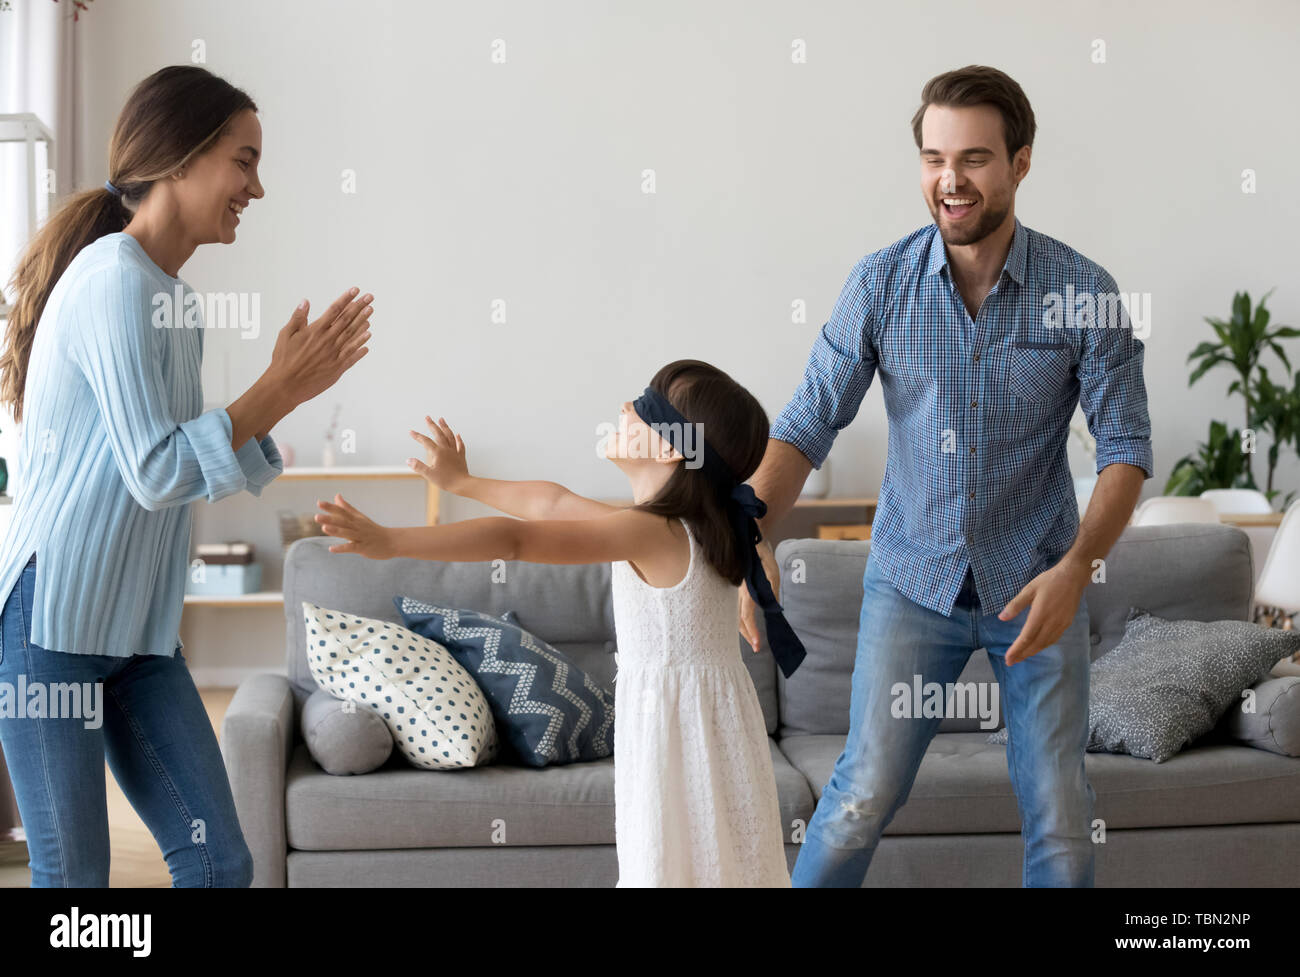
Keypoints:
pixel 81 220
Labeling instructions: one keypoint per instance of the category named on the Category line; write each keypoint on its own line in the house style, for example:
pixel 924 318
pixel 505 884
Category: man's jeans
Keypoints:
pixel 155 733
pixel 1044 701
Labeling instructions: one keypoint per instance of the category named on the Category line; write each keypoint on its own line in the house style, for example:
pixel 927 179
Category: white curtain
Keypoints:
pixel 37 74
pixel 38 63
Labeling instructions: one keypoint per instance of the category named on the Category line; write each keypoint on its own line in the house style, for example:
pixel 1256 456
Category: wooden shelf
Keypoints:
pixel 263 598
pixel 268 598
pixel 845 502
pixel 304 473
pixel 1251 518
pixel 300 473
pixel 835 531
pixel 836 503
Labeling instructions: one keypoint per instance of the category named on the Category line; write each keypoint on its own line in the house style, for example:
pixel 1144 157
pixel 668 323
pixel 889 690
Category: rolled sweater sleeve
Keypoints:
pixel 162 461
pixel 260 462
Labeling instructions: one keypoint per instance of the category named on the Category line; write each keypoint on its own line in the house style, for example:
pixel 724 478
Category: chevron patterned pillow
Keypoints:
pixel 546 708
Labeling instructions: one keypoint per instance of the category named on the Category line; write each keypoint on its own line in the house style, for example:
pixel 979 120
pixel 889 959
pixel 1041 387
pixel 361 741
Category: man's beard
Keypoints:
pixel 985 224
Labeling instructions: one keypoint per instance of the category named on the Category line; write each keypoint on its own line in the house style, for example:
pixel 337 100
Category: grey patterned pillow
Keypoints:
pixel 1168 682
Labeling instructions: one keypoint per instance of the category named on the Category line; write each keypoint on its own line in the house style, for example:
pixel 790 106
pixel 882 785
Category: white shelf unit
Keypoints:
pixel 26 127
pixel 274 598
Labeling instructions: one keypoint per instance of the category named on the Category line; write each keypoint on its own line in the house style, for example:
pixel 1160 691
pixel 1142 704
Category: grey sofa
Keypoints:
pixel 1218 814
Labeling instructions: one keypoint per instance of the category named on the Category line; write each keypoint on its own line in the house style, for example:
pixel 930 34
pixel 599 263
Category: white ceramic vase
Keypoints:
pixel 818 484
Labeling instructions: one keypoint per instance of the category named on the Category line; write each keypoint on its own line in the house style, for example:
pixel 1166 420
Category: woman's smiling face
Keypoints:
pixel 219 184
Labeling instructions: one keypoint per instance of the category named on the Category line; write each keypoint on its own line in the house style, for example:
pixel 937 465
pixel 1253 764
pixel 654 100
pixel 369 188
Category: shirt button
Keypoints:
pixel 972 495
pixel 972 403
pixel 977 357
pixel 972 449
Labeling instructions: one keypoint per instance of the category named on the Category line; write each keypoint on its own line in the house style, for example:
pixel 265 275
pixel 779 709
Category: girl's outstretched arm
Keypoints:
pixel 447 468
pixel 626 534
pixel 533 500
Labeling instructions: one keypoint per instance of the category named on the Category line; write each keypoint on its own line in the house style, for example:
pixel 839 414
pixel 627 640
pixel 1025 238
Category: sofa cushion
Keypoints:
pixel 545 706
pixel 1168 682
pixel 1180 572
pixel 1272 719
pixel 343 739
pixel 821 591
pixel 437 715
pixel 567 605
pixel 1187 571
pixel 397 807
pixel 962 786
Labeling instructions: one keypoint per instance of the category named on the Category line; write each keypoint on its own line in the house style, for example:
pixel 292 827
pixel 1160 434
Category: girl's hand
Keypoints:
pixel 365 536
pixel 445 451
pixel 749 610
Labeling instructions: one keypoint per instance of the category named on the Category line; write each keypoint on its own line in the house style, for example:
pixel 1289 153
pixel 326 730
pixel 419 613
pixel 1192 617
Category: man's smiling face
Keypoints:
pixel 968 180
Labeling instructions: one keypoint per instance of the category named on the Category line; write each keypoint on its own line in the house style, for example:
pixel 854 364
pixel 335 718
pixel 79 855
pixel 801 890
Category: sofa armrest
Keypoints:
pixel 257 738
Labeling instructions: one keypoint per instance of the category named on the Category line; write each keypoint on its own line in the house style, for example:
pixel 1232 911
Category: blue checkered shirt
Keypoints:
pixel 979 411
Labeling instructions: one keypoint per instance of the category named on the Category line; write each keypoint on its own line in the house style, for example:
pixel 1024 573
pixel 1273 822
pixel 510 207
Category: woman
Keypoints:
pixel 115 446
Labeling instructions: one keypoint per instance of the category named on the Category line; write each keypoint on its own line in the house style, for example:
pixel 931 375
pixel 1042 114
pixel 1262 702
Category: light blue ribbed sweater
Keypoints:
pixel 115 445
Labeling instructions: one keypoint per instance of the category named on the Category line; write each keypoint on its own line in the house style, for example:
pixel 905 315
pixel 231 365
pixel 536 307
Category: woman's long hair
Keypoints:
pixel 174 115
pixel 736 427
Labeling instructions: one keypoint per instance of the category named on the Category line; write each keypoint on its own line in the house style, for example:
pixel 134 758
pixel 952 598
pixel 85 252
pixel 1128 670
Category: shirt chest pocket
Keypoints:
pixel 1039 373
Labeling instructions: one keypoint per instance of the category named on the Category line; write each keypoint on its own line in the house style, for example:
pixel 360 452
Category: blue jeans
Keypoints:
pixel 1044 701
pixel 154 731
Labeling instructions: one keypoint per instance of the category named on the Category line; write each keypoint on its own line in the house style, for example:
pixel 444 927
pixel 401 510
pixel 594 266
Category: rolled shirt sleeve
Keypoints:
pixel 838 374
pixel 260 462
pixel 1112 391
pixel 163 462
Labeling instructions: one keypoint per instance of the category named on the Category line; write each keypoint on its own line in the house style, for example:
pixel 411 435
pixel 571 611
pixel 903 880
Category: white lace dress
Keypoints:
pixel 694 793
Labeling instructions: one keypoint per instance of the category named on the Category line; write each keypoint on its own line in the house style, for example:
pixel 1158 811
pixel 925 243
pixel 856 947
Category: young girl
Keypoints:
pixel 695 796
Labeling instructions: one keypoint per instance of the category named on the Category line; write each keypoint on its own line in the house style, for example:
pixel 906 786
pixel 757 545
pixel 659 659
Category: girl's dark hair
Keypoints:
pixel 736 427
pixel 174 115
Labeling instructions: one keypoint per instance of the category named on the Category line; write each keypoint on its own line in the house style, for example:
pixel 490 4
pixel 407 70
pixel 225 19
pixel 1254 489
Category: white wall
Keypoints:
pixel 521 181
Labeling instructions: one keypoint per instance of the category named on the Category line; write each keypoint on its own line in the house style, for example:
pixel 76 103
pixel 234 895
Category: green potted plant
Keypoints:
pixel 1222 460
pixel 1277 414
pixel 1219 462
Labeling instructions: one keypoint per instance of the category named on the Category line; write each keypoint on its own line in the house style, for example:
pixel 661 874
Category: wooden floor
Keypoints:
pixel 136 860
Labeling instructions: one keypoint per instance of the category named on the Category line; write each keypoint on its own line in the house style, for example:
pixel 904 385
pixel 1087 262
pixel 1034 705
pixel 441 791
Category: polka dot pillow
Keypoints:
pixel 430 703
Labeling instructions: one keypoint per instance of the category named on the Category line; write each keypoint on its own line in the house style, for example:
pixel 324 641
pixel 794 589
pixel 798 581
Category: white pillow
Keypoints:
pixel 433 707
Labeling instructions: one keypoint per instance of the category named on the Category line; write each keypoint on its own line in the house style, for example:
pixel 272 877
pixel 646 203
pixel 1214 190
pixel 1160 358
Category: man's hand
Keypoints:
pixel 748 609
pixel 1053 599
pixel 366 537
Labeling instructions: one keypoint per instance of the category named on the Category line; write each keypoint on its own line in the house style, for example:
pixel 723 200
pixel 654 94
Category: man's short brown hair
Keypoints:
pixel 979 85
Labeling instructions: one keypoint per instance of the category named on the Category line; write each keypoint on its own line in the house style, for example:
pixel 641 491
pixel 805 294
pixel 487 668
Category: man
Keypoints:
pixel 986 334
